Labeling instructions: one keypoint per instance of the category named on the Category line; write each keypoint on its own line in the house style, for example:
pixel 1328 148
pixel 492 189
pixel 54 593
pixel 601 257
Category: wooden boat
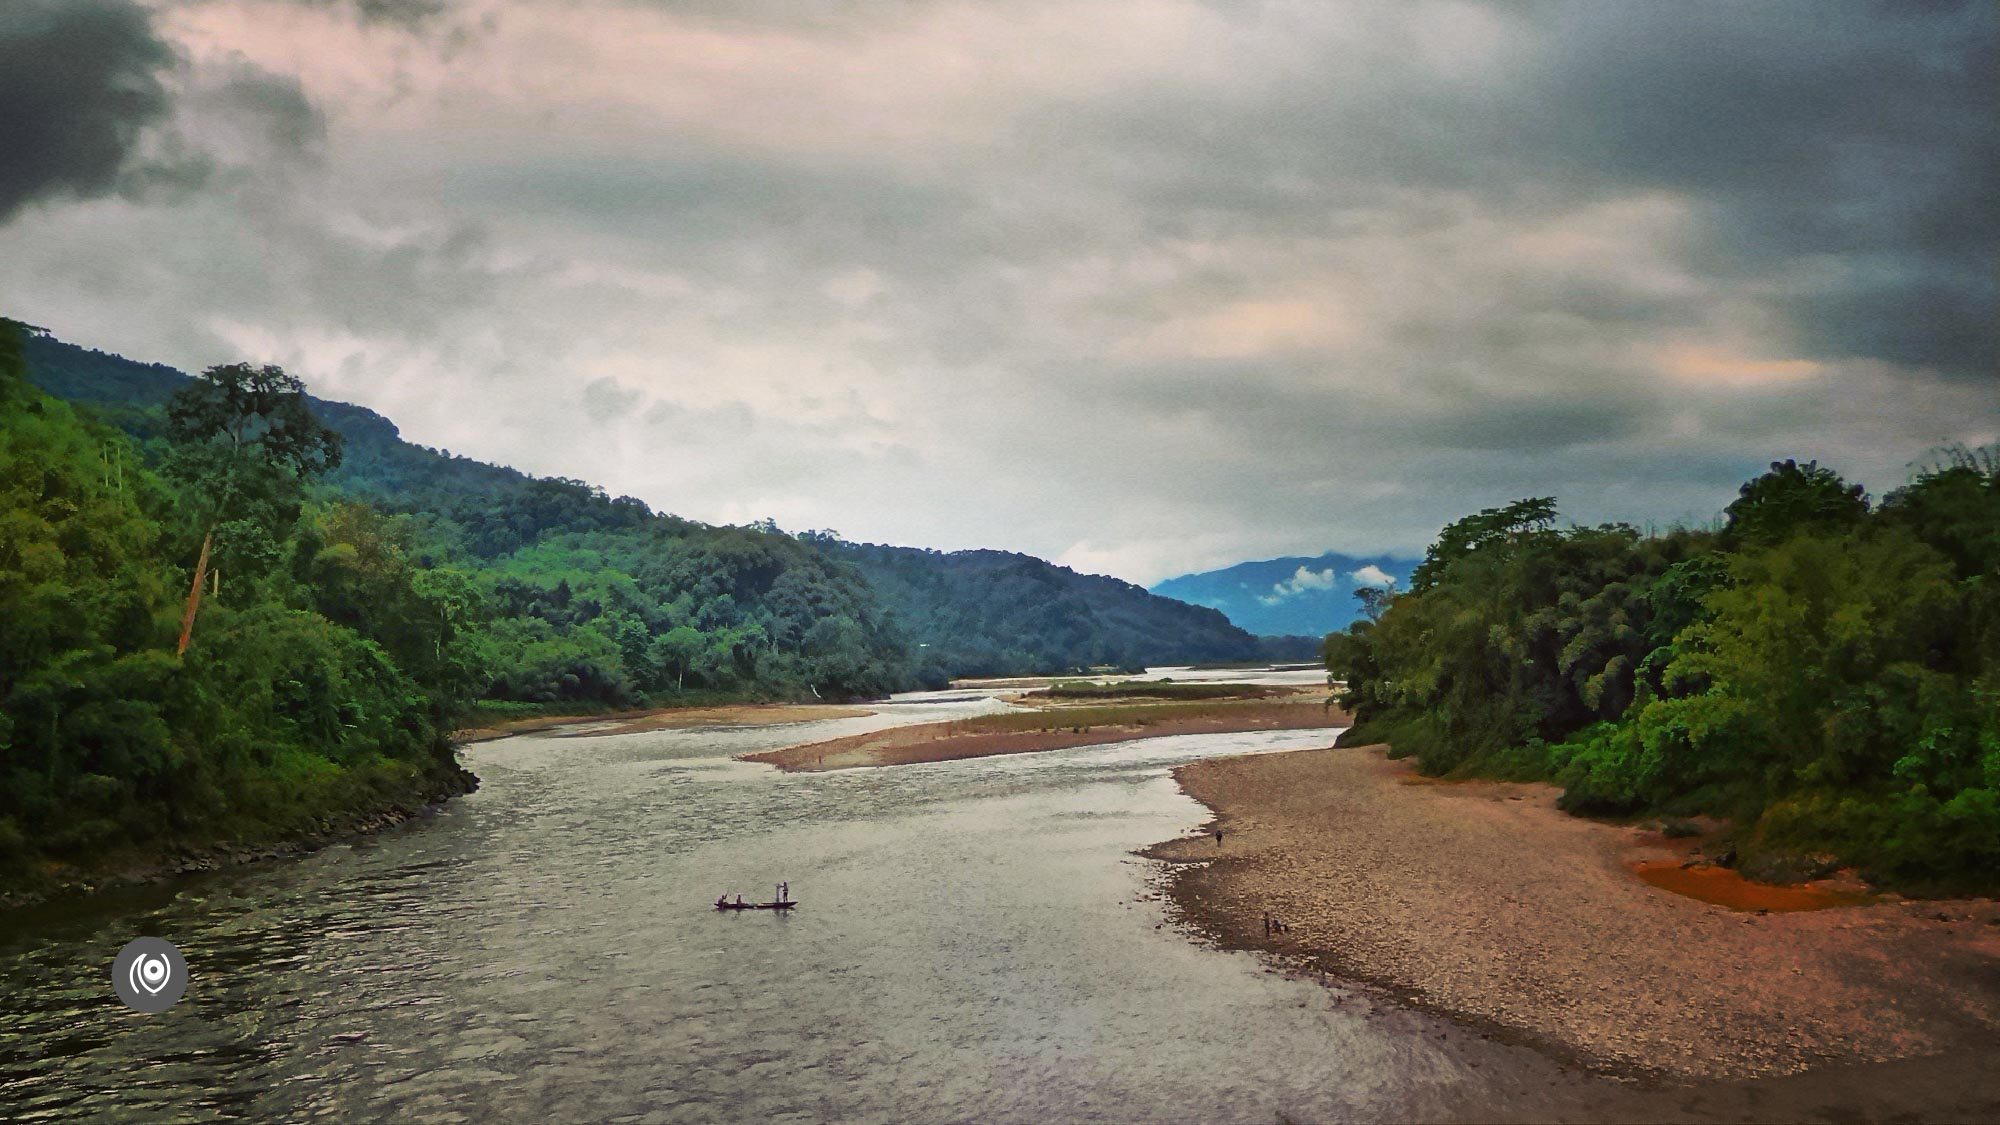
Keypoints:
pixel 720 905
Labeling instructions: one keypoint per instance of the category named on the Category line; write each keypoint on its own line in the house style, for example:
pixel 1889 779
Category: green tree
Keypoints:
pixel 1489 527
pixel 1790 499
pixel 1375 600
pixel 246 443
pixel 676 652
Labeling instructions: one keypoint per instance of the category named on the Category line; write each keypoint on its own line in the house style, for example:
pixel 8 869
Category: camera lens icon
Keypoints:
pixel 149 975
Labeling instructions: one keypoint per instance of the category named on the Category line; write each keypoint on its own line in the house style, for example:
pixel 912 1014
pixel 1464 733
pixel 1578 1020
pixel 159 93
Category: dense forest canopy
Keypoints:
pixel 1823 671
pixel 346 598
pixel 275 716
pixel 596 600
pixel 996 613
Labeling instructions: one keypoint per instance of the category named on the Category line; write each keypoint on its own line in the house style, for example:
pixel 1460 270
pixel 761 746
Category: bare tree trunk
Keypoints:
pixel 194 595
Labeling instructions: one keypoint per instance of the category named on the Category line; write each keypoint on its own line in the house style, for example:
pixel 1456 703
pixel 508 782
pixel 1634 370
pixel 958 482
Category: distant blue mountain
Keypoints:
pixel 1289 596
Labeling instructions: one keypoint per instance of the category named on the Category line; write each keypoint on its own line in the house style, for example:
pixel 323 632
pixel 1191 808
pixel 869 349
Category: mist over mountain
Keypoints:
pixel 1294 595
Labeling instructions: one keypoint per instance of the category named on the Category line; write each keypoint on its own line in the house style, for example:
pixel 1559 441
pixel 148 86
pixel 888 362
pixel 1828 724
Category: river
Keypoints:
pixel 975 941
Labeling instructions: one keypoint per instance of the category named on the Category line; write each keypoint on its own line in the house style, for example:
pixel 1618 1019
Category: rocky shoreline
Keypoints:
pixel 1482 901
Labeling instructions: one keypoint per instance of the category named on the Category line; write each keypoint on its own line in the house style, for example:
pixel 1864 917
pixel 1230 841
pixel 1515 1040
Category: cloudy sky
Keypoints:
pixel 1143 286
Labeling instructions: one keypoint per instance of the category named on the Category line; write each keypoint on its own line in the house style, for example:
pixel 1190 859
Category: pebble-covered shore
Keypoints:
pixel 1482 900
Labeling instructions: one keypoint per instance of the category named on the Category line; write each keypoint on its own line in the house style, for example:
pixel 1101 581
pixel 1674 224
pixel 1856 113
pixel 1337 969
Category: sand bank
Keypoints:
pixel 663 718
pixel 1482 900
pixel 1055 727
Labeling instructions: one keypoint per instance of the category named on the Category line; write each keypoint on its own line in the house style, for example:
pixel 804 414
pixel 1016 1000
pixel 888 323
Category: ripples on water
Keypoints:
pixel 974 942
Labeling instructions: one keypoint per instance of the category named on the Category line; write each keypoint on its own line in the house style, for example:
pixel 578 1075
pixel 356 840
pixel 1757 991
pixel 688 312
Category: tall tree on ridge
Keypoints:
pixel 247 443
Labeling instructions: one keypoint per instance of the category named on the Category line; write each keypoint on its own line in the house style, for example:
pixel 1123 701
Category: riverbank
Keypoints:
pixel 1057 725
pixel 1483 901
pixel 371 805
pixel 383 806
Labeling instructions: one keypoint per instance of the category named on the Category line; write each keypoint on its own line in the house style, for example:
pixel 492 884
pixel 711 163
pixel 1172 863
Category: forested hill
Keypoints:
pixel 996 613
pixel 378 464
pixel 598 599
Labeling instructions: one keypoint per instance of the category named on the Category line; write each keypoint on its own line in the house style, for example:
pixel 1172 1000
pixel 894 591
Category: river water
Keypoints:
pixel 975 941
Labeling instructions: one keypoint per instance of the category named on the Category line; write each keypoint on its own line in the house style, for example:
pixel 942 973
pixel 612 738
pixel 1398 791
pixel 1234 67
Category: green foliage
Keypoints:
pixel 668 609
pixel 995 613
pixel 752 593
pixel 108 739
pixel 83 690
pixel 243 445
pixel 1489 528
pixel 1605 770
pixel 1822 642
pixel 258 412
pixel 1913 839
pixel 1791 499
pixel 1954 507
pixel 373 594
pixel 479 580
pixel 1826 674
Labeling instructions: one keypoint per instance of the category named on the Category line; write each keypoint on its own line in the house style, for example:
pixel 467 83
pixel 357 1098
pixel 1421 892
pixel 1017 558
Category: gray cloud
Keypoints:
pixel 1861 134
pixel 94 103
pixel 79 83
pixel 795 16
pixel 607 399
pixel 1857 135
pixel 274 106
pixel 1150 286
pixel 406 15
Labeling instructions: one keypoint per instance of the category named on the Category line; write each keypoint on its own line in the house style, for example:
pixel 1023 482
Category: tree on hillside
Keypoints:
pixel 1792 498
pixel 1489 526
pixel 246 443
pixel 1954 505
pixel 1375 599
pixel 676 651
pixel 13 367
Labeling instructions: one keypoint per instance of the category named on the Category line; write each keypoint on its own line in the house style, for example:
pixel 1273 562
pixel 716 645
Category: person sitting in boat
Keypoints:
pixel 721 902
pixel 739 900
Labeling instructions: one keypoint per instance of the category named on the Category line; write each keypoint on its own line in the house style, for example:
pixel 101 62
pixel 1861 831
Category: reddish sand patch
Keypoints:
pixel 1724 887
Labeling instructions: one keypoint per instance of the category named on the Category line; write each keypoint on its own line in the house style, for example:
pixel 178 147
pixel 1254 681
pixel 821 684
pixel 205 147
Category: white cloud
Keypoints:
pixel 1372 575
pixel 1301 581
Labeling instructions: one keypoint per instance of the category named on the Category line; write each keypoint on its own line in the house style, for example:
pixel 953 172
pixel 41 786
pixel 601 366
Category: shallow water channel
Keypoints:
pixel 975 941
